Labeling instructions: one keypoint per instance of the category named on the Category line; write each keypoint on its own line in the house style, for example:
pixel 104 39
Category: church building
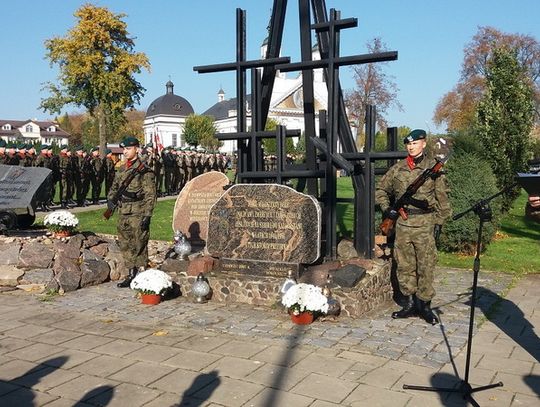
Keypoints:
pixel 167 114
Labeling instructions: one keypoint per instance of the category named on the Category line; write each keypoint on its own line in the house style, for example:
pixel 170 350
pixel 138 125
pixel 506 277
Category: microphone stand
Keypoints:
pixel 483 210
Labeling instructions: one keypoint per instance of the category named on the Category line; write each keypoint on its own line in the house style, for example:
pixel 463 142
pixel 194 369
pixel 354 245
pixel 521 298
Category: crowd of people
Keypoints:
pixel 80 175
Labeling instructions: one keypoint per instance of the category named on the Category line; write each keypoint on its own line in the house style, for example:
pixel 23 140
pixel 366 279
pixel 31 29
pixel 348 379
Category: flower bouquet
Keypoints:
pixel 151 284
pixel 305 298
pixel 61 222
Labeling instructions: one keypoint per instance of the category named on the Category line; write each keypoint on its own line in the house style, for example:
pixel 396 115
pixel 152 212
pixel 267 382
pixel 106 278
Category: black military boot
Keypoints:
pixel 131 275
pixel 425 311
pixel 64 205
pixel 408 310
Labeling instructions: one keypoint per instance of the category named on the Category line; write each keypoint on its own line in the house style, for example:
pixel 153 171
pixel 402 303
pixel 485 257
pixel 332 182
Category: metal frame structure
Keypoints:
pixel 334 125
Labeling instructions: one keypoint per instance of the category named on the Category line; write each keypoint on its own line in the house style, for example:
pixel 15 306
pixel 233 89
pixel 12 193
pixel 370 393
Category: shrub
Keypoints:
pixel 470 179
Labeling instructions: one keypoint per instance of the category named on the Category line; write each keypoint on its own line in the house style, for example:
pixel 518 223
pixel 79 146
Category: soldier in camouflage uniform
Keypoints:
pixel 415 251
pixel 43 160
pixel 96 174
pixel 64 175
pixel 3 145
pixel 135 208
pixel 108 171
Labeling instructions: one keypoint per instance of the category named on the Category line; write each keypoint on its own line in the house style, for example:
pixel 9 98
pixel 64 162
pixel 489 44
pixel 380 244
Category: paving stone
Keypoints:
pixel 201 343
pixel 382 377
pixel 228 392
pixel 46 378
pixel 234 367
pixel 183 382
pixel 154 353
pixel 67 358
pixel 56 337
pixel 274 397
pixel 17 368
pixel 364 395
pixel 103 365
pixel 277 377
pixel 118 347
pixel 239 349
pixel 124 394
pixel 26 397
pixel 7 388
pixel 27 331
pixel 166 400
pixel 83 387
pixel 328 365
pixel 8 344
pixel 506 365
pixel 34 352
pixel 528 385
pixel 324 387
pixel 192 360
pixel 142 373
pixel 87 342
pixel 130 333
pixel 282 356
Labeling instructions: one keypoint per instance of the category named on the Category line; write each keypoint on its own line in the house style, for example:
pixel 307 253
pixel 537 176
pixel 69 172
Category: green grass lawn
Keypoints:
pixel 516 248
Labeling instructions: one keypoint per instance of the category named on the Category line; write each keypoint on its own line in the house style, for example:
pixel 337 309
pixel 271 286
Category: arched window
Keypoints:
pixel 29 128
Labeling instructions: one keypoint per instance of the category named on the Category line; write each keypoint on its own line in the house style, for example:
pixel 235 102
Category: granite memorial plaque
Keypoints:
pixel 265 223
pixel 20 187
pixel 190 214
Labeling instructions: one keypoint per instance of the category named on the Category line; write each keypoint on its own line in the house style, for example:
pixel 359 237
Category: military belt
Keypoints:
pixel 418 211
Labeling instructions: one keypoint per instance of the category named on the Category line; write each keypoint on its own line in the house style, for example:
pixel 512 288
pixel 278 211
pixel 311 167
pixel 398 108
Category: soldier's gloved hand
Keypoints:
pixel 110 205
pixel 391 214
pixel 145 223
pixel 437 232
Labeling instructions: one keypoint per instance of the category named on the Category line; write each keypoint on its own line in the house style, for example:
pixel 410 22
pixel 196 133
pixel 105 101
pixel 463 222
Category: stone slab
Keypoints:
pixel 267 222
pixel 192 206
pixel 258 268
pixel 19 186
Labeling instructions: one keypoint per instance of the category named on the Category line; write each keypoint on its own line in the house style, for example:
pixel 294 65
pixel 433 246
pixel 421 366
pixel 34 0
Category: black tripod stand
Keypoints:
pixel 483 210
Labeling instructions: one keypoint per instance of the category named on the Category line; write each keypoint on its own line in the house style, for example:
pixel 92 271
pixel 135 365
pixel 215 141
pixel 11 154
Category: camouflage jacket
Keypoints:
pixel 435 191
pixel 140 196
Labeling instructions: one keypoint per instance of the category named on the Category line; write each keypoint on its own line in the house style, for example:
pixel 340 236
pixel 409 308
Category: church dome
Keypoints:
pixel 170 104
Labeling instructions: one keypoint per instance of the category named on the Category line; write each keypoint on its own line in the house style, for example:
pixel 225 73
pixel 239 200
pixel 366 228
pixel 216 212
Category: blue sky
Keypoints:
pixel 176 35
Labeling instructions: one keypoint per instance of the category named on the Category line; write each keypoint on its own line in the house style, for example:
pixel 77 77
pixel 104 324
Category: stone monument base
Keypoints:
pixel 370 293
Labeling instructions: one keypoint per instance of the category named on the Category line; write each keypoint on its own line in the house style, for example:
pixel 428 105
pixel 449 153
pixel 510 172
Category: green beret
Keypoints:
pixel 108 151
pixel 79 148
pixel 11 145
pixel 151 145
pixel 63 147
pixel 414 135
pixel 130 142
pixel 94 149
pixel 2 143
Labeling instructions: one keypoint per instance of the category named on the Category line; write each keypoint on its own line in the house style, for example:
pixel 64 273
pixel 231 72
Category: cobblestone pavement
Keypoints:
pixel 99 346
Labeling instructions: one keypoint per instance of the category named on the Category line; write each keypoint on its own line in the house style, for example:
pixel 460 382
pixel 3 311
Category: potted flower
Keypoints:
pixel 61 223
pixel 303 300
pixel 151 284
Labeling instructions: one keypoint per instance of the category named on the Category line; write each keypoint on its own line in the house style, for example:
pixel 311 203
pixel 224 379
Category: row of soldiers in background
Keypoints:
pixel 73 171
pixel 174 167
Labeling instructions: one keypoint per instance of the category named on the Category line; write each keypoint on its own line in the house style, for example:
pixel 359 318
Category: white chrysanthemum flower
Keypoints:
pixel 61 220
pixel 305 297
pixel 151 281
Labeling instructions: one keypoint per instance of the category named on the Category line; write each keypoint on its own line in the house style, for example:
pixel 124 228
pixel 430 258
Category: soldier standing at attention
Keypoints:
pixel 3 145
pixel 415 251
pixel 96 174
pixel 64 176
pixel 108 170
pixel 135 207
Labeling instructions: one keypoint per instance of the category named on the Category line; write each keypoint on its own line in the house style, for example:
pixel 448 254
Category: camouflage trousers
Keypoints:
pixel 415 253
pixel 133 241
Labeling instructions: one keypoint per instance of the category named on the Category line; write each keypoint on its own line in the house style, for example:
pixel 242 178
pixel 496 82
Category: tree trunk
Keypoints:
pixel 102 129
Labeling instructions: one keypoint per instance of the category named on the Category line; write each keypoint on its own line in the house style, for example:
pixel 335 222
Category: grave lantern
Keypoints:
pixel 200 289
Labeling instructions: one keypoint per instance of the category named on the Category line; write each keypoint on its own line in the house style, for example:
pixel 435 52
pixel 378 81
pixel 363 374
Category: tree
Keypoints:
pixel 200 129
pixel 270 144
pixel 505 119
pixel 373 87
pixel 457 108
pixel 97 66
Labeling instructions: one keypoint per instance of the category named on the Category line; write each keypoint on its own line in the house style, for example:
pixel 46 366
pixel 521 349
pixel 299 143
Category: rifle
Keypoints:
pixel 388 223
pixel 123 187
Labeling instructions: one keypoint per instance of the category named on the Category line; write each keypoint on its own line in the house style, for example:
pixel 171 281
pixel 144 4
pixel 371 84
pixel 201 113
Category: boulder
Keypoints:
pixel 200 265
pixel 10 275
pixel 9 253
pixel 68 280
pixel 174 266
pixel 38 276
pixel 346 250
pixel 348 276
pixel 100 249
pixel 35 255
pixel 116 264
pixel 94 272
